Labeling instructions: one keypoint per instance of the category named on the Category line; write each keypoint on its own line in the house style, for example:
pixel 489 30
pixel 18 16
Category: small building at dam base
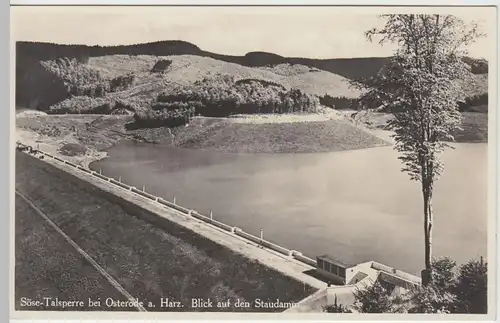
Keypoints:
pixel 345 279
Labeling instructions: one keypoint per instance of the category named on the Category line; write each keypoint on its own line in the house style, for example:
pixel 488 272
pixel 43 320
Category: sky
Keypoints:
pixel 313 32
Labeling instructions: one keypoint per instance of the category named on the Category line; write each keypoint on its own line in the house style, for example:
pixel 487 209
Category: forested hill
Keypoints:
pixel 347 67
pixel 161 76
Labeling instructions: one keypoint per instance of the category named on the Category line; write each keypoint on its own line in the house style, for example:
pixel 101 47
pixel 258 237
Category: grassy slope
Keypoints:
pixel 186 69
pixel 172 262
pixel 47 265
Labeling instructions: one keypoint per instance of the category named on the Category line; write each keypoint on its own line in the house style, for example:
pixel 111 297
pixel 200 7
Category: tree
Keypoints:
pixel 471 288
pixel 419 87
pixel 373 299
pixel 443 273
pixel 448 292
pixel 429 299
pixel 335 307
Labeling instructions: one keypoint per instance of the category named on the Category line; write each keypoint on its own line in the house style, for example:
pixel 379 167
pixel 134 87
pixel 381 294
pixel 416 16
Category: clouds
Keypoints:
pixel 316 32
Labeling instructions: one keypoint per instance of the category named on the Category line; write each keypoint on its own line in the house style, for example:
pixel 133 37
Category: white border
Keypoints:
pixel 259 2
pixel 262 318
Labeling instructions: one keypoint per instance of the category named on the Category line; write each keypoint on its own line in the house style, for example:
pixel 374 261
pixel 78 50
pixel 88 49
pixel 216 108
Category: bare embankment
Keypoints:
pixel 474 127
pixel 299 137
pixel 81 139
pixel 85 138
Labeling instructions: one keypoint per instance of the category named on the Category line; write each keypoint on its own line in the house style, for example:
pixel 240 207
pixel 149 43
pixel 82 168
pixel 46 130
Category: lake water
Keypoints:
pixel 354 205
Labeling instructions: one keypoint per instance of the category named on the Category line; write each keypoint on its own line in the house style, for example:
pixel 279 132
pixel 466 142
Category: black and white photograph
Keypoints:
pixel 301 160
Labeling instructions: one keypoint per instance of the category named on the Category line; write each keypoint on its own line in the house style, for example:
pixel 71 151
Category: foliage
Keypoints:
pixel 124 107
pixel 81 80
pixel 89 105
pixel 419 87
pixel 222 95
pixel 161 66
pixel 339 102
pixel 328 101
pixel 252 81
pixel 175 105
pixel 288 69
pixel 471 287
pixel 37 91
pixel 165 117
pixel 449 292
pixel 73 149
pixel 122 82
pixel 429 299
pixel 78 78
pixel 444 275
pixel 78 105
pixel 349 68
pixel 373 299
pixel 336 308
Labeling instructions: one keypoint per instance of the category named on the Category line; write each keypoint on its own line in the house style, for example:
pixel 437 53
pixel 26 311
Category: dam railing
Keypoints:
pixel 180 209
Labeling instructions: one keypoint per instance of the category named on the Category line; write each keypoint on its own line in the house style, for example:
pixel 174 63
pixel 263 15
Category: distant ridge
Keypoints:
pixel 30 74
pixel 350 68
pixel 347 67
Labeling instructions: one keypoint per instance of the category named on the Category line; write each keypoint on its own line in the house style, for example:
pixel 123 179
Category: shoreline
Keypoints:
pixel 50 145
pixel 325 131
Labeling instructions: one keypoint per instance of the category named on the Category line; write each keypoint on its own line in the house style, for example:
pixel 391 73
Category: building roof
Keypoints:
pixel 332 260
pixel 396 273
pixel 395 280
pixel 359 276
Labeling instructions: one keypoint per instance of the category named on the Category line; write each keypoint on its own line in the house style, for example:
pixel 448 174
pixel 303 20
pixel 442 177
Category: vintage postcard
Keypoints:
pixel 276 162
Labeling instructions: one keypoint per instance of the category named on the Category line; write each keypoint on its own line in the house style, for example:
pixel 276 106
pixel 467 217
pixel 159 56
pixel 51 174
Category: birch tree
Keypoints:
pixel 420 87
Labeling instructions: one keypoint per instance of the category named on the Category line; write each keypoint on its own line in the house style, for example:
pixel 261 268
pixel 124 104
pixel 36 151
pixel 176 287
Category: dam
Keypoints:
pixel 290 263
pixel 153 251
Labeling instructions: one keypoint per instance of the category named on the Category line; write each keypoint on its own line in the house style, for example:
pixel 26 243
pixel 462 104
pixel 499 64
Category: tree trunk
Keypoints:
pixel 427 272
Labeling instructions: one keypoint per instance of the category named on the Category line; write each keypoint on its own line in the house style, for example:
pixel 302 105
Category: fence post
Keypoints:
pixel 144 188
pixel 100 171
pixel 119 179
pixel 261 234
pixel 211 216
pixel 174 199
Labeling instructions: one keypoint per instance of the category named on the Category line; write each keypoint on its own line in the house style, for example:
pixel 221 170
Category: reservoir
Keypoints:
pixel 354 205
